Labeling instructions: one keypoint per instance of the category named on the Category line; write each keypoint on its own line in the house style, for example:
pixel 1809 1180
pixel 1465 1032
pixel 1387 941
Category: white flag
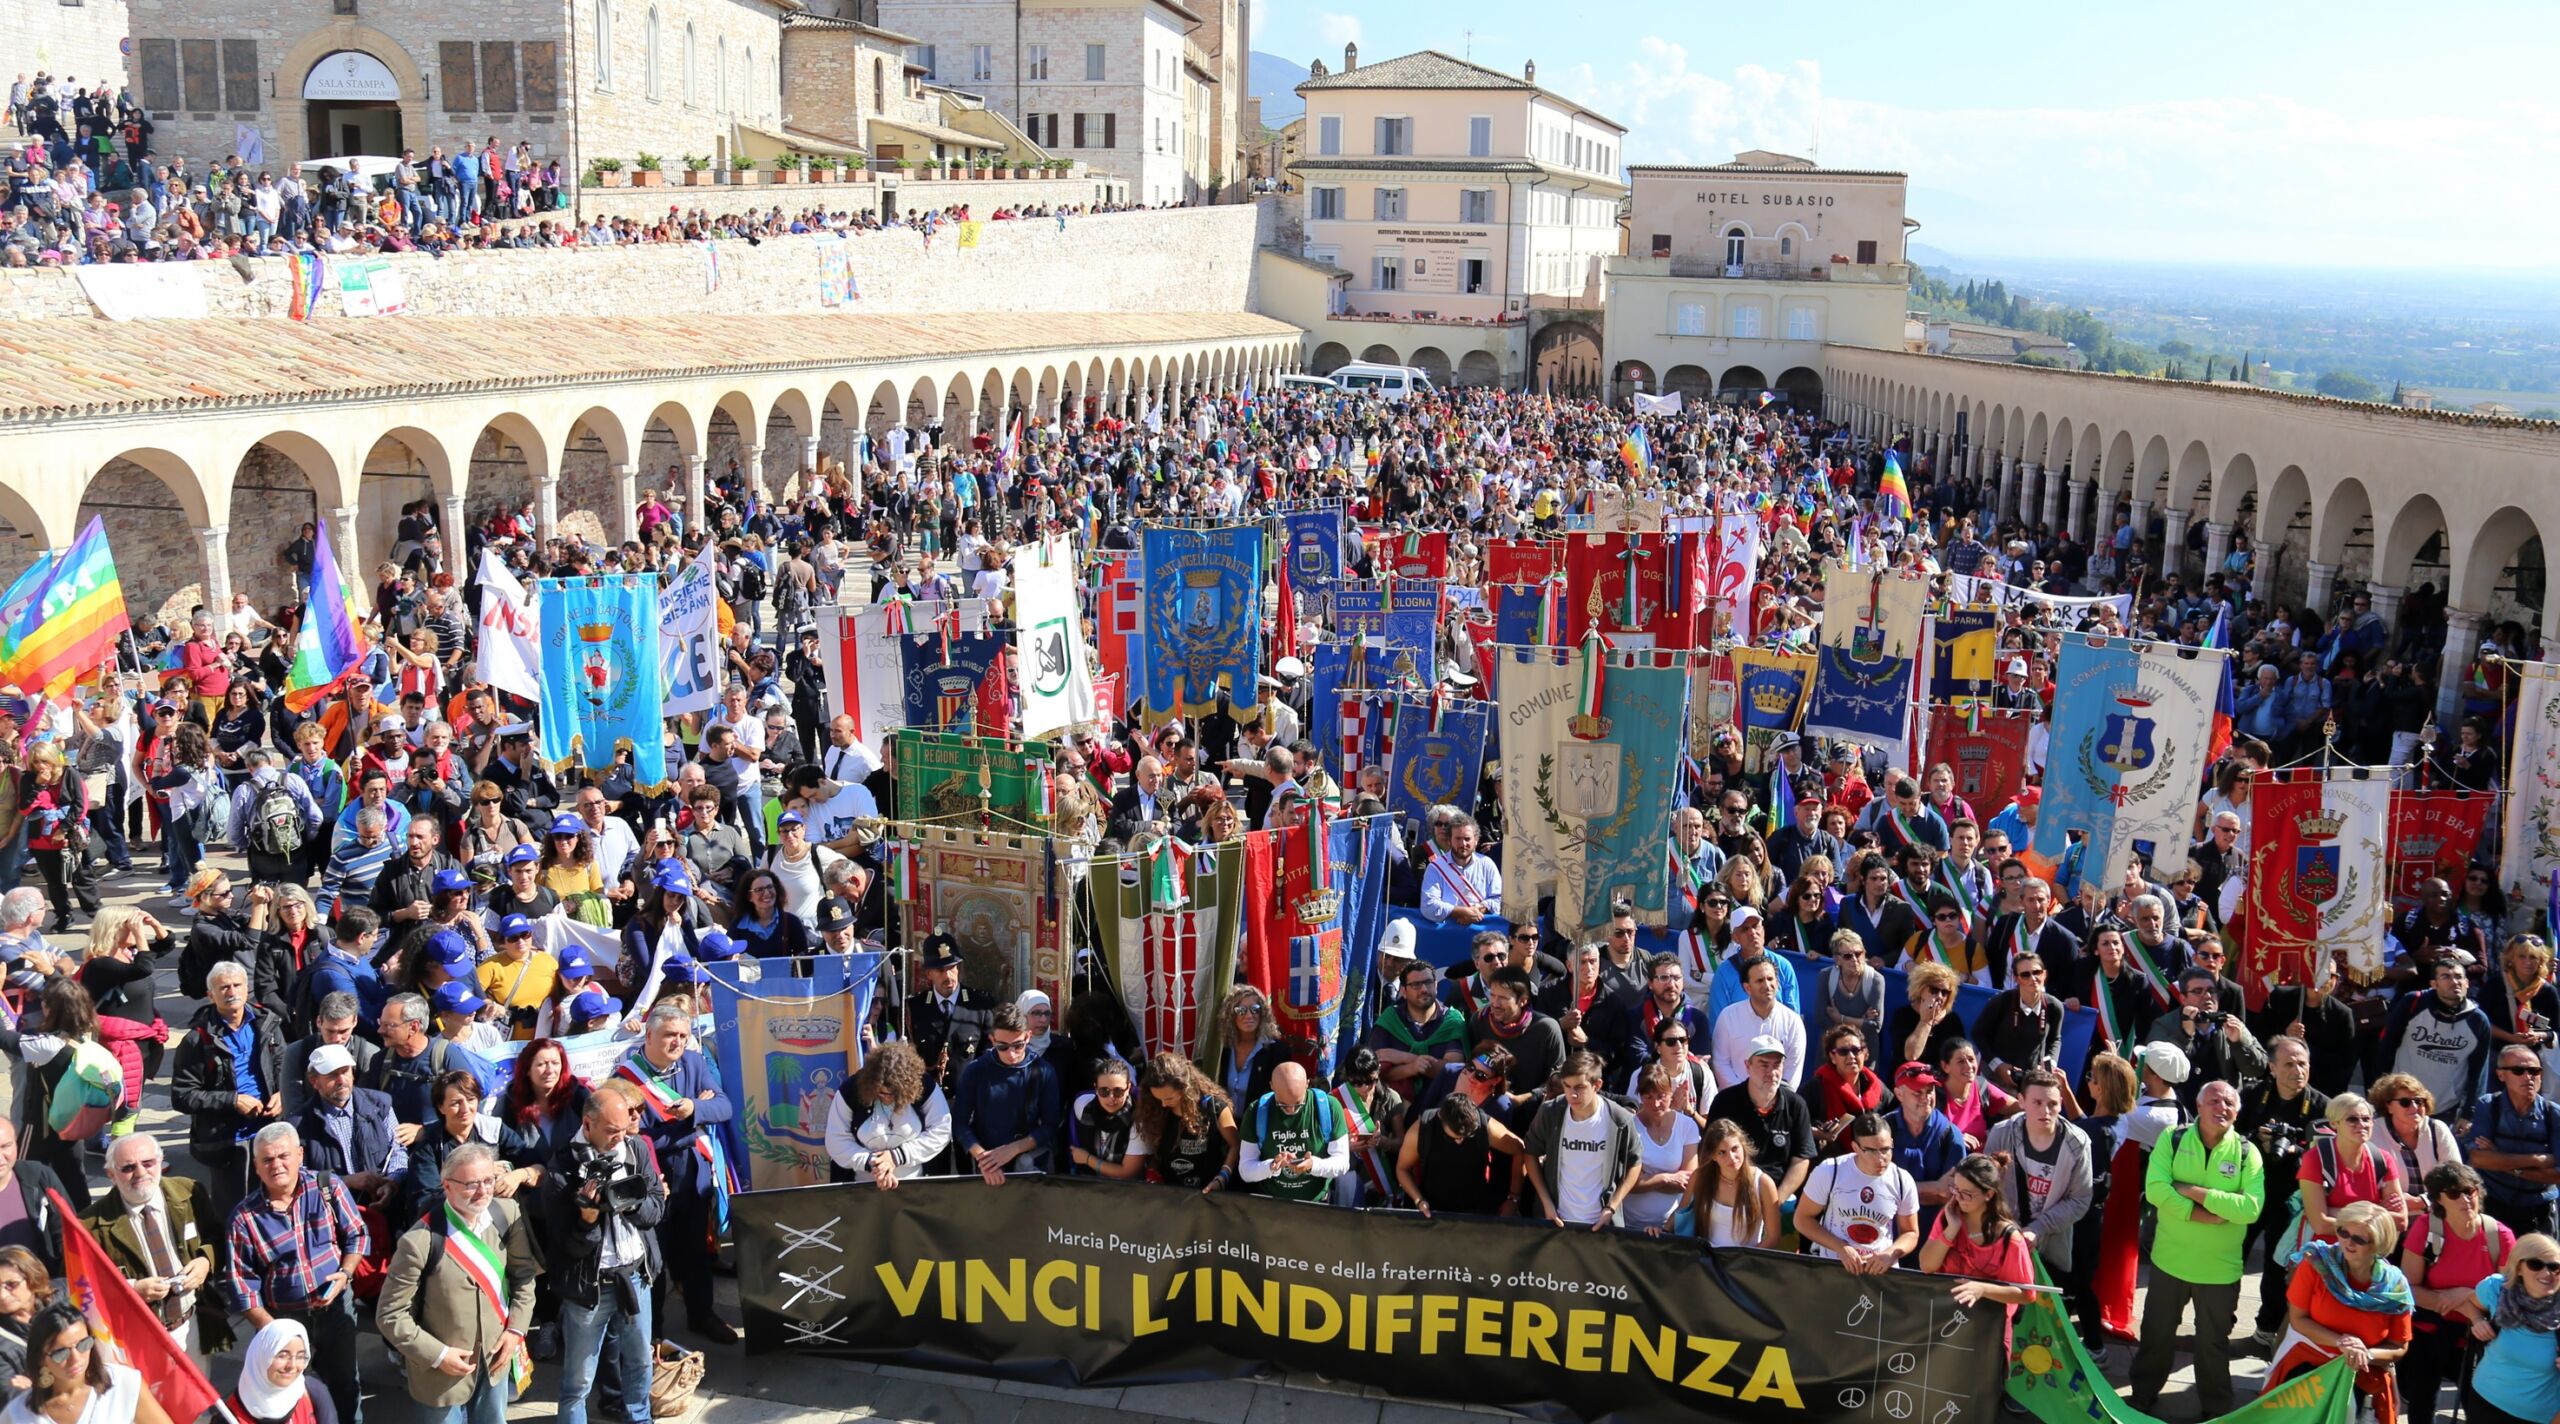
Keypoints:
pixel 507 659
pixel 689 637
pixel 1048 641
pixel 1668 404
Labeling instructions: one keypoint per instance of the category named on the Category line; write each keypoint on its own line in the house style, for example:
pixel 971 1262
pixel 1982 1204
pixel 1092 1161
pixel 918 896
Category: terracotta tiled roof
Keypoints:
pixel 56 369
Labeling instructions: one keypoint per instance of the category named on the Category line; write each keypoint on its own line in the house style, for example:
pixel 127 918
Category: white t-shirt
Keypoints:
pixel 1652 1206
pixel 1582 1177
pixel 1858 1208
pixel 115 1404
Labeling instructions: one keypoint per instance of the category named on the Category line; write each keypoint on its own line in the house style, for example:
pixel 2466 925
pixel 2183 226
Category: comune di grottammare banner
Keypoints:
pixel 1069 1282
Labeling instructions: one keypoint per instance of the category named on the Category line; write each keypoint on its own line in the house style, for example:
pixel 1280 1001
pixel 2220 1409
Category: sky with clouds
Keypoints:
pixel 2348 133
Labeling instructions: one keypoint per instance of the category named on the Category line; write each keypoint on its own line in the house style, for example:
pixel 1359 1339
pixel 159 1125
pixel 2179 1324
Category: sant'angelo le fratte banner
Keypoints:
pixel 1075 1282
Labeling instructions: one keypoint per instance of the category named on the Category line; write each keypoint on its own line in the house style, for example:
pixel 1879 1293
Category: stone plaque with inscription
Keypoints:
pixel 201 70
pixel 498 76
pixel 461 73
pixel 159 62
pixel 240 76
pixel 541 75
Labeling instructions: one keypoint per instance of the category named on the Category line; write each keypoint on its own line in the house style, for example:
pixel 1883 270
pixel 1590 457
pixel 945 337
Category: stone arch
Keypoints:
pixel 1434 363
pixel 993 391
pixel 404 465
pixel 2413 544
pixel 959 403
pixel 2088 462
pixel 1329 358
pixel 1019 396
pixel 2115 476
pixel 1189 380
pixel 1479 368
pixel 1115 390
pixel 1738 380
pixel 1381 354
pixel 281 482
pixel 790 422
pixel 509 460
pixel 2338 516
pixel 2508 541
pixel 293 128
pixel 2235 491
pixel 2038 436
pixel 1044 398
pixel 2151 473
pixel 1803 386
pixel 1693 383
pixel 670 434
pixel 2284 532
pixel 157 501
pixel 593 447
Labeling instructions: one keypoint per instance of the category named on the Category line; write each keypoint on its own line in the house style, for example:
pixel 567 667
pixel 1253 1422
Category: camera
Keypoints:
pixel 2281 1142
pixel 2211 1022
pixel 618 1187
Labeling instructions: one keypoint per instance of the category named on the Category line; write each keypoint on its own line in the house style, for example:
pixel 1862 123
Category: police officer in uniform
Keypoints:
pixel 946 1020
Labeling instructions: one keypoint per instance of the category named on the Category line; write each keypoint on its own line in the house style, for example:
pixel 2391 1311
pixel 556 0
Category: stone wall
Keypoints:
pixel 913 195
pixel 1175 260
pixel 66 41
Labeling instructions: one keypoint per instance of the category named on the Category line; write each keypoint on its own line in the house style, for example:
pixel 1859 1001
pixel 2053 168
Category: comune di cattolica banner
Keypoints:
pixel 1071 1282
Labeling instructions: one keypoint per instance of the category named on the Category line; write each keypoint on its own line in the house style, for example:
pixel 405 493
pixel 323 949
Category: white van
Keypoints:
pixel 1299 381
pixel 1392 382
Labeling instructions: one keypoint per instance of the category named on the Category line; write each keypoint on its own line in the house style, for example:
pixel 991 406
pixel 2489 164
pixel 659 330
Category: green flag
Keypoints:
pixel 2052 1377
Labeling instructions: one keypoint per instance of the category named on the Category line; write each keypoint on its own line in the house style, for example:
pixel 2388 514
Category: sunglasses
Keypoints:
pixel 1848 1052
pixel 2419 1103
pixel 2521 1071
pixel 2536 1263
pixel 65 1354
pixel 2353 1238
pixel 1009 1046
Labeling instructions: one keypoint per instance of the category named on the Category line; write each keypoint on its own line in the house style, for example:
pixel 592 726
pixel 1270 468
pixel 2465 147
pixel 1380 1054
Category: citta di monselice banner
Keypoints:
pixel 1075 1282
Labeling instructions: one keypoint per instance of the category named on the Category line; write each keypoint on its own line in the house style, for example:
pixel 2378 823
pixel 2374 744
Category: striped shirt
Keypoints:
pixel 282 1259
pixel 353 868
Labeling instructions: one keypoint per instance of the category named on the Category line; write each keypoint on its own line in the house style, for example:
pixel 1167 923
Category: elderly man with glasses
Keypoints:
pixel 2515 1143
pixel 160 1232
pixel 458 1301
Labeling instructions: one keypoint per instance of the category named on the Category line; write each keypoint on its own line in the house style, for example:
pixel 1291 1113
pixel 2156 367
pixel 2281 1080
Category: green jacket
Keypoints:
pixel 2235 1183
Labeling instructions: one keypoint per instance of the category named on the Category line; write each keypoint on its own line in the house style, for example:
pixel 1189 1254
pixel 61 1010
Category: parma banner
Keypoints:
pixel 2053 1379
pixel 1203 617
pixel 997 896
pixel 1397 615
pixel 1523 560
pixel 785 1044
pixel 1311 547
pixel 1769 688
pixel 942 775
pixel 2530 843
pixel 1636 589
pixel 2316 882
pixel 2433 836
pixel 1081 1282
pixel 600 674
pixel 1056 683
pixel 2132 734
pixel 1964 655
pixel 1168 917
pixel 1588 789
pixel 1986 746
pixel 1439 755
pixel 1870 646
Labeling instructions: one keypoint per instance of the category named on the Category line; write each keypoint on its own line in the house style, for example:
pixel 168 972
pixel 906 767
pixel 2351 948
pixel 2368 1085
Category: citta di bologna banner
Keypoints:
pixel 1075 1282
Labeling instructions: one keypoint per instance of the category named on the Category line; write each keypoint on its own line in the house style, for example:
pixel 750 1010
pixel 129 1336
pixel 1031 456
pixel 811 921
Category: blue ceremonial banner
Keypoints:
pixel 1964 654
pixel 1769 688
pixel 2132 729
pixel 944 675
pixel 1516 610
pixel 1311 545
pixel 1862 679
pixel 1436 766
pixel 1361 869
pixel 1645 712
pixel 1203 617
pixel 785 1044
pixel 600 674
pixel 1411 624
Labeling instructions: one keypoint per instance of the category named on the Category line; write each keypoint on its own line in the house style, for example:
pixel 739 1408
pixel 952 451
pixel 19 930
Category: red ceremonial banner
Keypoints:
pixel 2434 833
pixel 126 1327
pixel 1630 584
pixel 2279 918
pixel 1522 560
pixel 1990 760
pixel 1293 936
pixel 1415 556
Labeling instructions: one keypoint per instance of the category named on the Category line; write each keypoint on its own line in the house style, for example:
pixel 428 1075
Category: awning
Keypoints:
pixel 931 133
pixel 763 143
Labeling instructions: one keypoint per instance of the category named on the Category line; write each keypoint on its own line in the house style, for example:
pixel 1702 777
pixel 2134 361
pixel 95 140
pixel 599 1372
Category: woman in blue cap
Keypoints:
pixel 518 978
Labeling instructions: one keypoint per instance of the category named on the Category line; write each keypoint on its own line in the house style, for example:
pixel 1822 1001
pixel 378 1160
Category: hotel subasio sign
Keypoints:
pixel 1715 199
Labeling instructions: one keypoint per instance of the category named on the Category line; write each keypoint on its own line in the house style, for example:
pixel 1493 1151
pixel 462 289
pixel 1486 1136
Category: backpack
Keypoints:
pixel 751 581
pixel 212 819
pixel 1328 1115
pixel 275 822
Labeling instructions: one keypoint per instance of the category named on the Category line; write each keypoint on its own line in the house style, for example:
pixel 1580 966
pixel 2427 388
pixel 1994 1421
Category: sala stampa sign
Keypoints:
pixel 350 74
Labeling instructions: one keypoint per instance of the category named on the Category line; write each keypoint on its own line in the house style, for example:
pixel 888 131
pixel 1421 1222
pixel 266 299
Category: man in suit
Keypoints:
pixel 37 1227
pixel 157 1230
pixel 1145 805
pixel 459 1298
pixel 947 1021
pixel 684 1102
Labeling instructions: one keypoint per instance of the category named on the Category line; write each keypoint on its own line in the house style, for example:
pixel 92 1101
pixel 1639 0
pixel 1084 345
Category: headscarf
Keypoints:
pixel 2520 1309
pixel 1035 999
pixel 263 1398
pixel 2388 1295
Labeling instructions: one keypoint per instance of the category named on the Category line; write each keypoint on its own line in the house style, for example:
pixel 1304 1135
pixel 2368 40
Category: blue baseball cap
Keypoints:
pixel 715 945
pixel 568 823
pixel 524 855
pixel 671 877
pixel 449 951
pixel 680 969
pixel 514 925
pixel 456 996
pixel 451 882
pixel 594 1003
pixel 574 963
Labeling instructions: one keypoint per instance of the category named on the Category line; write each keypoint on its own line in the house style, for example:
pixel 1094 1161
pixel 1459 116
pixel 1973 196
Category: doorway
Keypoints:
pixel 341 128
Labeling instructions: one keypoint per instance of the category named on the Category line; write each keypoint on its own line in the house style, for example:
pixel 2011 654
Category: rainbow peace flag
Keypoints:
pixel 1636 451
pixel 70 624
pixel 332 639
pixel 17 597
pixel 1893 493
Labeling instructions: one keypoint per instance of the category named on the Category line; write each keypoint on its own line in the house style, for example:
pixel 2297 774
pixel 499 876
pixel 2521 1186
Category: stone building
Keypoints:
pixel 279 81
pixel 1148 89
pixel 80 42
pixel 1738 275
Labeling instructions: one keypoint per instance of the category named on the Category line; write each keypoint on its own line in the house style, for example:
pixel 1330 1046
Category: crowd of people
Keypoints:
pixel 377 1057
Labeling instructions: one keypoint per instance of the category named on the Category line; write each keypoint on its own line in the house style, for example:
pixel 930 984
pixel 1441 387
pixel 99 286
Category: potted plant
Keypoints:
pixel 697 169
pixel 819 167
pixel 978 165
pixel 604 173
pixel 854 164
pixel 742 169
pixel 1058 166
pixel 648 171
pixel 923 169
pixel 958 166
pixel 786 169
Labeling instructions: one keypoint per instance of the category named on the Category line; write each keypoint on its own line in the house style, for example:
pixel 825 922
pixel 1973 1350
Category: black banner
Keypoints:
pixel 1067 1281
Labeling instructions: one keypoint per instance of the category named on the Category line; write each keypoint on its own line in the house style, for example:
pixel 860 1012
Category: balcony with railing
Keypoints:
pixel 1837 270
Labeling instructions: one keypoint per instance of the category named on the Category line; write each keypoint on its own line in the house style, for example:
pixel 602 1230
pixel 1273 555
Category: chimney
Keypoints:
pixel 1351 56
pixel 1316 70
pixel 1529 71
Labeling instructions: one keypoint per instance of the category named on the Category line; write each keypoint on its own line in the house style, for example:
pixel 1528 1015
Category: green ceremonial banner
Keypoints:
pixel 2052 1377
pixel 941 775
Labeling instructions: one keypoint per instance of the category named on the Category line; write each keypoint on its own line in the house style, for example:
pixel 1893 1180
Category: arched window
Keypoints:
pixel 649 69
pixel 1733 240
pixel 690 62
pixel 879 87
pixel 604 44
pixel 721 91
pixel 755 81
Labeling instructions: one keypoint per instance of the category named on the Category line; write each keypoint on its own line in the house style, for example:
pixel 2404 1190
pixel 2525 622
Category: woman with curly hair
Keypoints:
pixel 1188 1126
pixel 765 926
pixel 1977 1239
pixel 569 869
pixel 889 1121
pixel 1253 1046
pixel 543 1107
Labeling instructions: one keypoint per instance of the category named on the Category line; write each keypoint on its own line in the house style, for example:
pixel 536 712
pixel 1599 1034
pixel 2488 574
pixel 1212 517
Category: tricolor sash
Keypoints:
pixel 482 1265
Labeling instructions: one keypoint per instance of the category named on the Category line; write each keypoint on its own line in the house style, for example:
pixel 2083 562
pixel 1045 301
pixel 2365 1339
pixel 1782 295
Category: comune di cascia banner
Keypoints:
pixel 1071 1282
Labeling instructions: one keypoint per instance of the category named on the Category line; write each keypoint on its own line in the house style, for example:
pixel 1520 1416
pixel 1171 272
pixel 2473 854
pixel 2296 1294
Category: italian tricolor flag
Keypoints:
pixel 480 1262
pixel 653 1089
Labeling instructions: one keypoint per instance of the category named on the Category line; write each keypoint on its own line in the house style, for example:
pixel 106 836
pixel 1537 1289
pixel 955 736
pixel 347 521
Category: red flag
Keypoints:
pixel 1599 569
pixel 126 1327
pixel 2433 833
pixel 1990 759
pixel 1522 560
pixel 2280 911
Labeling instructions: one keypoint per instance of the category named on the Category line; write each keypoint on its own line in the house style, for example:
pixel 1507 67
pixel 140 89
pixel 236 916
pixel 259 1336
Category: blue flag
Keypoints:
pixel 943 678
pixel 1410 624
pixel 1360 872
pixel 1436 767
pixel 600 681
pixel 1311 544
pixel 1203 617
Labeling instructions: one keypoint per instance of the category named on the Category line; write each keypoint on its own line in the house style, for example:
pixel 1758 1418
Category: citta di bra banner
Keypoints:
pixel 1076 1282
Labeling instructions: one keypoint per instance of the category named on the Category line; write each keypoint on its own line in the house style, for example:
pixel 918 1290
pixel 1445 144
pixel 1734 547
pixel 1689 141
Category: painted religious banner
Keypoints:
pixel 942 775
pixel 1964 654
pixel 2133 724
pixel 2530 838
pixel 785 1044
pixel 2433 837
pixel 1203 617
pixel 2316 882
pixel 1439 755
pixel 997 896
pixel 1055 683
pixel 600 674
pixel 1870 646
pixel 1311 548
pixel 1634 589
pixel 1590 744
pixel 1523 560
pixel 1986 747
pixel 1168 916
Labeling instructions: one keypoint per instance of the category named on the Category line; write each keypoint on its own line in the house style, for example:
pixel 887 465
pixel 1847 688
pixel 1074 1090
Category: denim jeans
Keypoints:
pixel 106 819
pixel 588 1331
pixel 487 1405
pixel 180 852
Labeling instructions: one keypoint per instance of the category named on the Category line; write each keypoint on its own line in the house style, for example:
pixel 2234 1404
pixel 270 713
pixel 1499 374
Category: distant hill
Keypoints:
pixel 1274 81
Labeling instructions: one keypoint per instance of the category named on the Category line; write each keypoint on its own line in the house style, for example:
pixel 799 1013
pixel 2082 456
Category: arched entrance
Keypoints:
pixel 1803 386
pixel 1564 358
pixel 351 105
pixel 1742 382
